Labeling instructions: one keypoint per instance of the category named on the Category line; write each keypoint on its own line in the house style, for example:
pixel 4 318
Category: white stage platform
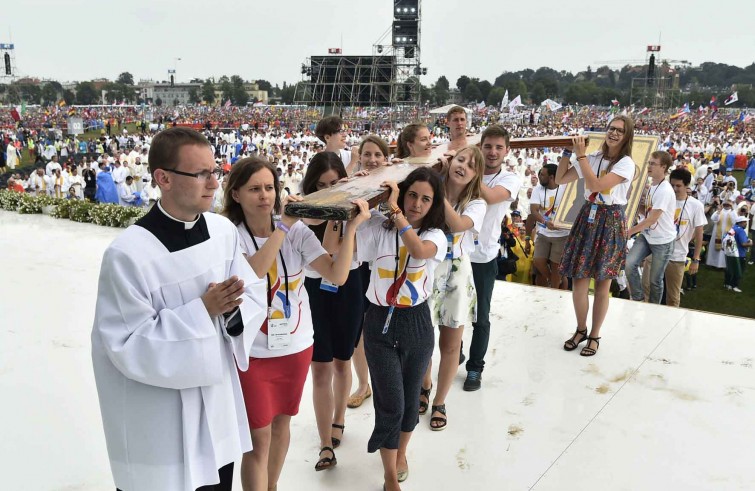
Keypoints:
pixel 667 403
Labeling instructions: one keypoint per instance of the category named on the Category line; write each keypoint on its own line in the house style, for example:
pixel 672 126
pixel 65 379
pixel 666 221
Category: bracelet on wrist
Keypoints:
pixel 283 227
pixel 695 260
pixel 403 230
pixel 580 157
pixel 566 153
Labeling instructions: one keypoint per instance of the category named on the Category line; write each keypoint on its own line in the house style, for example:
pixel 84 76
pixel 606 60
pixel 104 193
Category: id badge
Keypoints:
pixel 278 333
pixel 593 211
pixel 450 246
pixel 328 286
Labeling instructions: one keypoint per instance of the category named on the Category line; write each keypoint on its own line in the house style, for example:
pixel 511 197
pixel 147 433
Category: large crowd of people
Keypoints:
pixel 218 372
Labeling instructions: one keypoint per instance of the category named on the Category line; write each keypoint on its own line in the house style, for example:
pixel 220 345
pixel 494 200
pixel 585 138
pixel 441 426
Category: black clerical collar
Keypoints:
pixel 174 234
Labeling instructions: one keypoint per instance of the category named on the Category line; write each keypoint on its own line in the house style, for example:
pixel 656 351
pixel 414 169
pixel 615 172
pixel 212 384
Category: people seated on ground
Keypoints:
pixel 14 185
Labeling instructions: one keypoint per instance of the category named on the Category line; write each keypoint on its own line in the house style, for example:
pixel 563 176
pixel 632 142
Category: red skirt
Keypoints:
pixel 274 386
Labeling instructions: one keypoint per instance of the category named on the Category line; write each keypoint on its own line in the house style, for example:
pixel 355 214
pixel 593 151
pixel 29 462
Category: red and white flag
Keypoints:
pixel 15 115
pixel 731 99
pixel 227 104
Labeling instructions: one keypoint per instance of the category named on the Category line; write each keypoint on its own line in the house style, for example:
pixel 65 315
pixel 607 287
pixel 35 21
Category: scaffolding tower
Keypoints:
pixel 388 79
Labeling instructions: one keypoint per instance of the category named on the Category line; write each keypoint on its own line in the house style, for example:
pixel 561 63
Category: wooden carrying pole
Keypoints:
pixel 336 203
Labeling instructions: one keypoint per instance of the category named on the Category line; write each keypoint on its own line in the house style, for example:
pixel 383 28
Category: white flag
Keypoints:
pixel 731 99
pixel 516 102
pixel 505 100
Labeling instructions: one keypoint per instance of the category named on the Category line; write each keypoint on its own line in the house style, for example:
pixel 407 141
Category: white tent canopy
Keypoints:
pixel 444 109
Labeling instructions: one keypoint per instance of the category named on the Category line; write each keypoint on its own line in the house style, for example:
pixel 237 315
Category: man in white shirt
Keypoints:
pixel 657 231
pixel 52 165
pixel 127 195
pixel 499 188
pixel 549 241
pixel 120 172
pixel 689 219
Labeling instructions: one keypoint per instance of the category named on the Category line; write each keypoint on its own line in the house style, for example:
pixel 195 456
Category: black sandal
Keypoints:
pixel 571 345
pixel 326 462
pixel 443 420
pixel 422 404
pixel 337 441
pixel 587 351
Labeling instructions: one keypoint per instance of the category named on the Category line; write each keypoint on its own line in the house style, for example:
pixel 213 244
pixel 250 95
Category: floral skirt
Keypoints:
pixel 598 249
pixel 454 298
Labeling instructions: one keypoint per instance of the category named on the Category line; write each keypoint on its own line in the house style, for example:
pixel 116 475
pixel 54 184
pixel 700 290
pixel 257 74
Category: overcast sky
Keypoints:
pixel 71 40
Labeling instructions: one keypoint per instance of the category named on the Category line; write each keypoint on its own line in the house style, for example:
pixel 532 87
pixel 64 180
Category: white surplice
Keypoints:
pixel 169 392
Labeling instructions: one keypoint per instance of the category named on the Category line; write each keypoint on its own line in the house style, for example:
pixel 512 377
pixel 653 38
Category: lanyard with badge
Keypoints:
pixel 549 212
pixel 278 332
pixel 595 195
pixel 392 301
pixel 679 220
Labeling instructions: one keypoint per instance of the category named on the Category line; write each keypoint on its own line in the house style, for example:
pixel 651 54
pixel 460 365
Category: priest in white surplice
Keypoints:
pixel 177 303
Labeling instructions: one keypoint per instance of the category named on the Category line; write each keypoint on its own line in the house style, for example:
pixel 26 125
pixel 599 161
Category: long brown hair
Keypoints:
pixel 407 135
pixel 473 190
pixel 240 173
pixel 626 143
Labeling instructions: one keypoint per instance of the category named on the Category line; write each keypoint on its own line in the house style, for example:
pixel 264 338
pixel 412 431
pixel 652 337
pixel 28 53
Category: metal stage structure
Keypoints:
pixel 8 71
pixel 657 90
pixel 388 78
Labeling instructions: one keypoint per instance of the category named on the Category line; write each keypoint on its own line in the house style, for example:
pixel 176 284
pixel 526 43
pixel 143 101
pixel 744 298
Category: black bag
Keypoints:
pixel 507 265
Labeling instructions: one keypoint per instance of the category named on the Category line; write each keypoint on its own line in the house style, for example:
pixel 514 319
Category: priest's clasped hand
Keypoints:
pixel 223 297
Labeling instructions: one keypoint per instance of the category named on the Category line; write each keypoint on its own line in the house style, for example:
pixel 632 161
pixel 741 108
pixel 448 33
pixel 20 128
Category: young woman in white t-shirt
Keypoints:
pixel 373 154
pixel 597 243
pixel 398 330
pixel 454 295
pixel 282 351
pixel 337 313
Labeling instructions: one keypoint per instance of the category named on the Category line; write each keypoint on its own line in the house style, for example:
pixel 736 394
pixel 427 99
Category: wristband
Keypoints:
pixel 582 157
pixel 697 261
pixel 401 232
pixel 566 153
pixel 395 209
pixel 283 227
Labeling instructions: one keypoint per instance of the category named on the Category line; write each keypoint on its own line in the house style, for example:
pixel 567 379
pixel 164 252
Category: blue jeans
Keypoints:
pixel 661 255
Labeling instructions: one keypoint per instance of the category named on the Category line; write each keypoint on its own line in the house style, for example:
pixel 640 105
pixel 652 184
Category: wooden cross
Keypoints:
pixel 335 203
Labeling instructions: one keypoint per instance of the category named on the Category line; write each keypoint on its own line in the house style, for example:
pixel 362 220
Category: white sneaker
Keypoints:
pixel 736 290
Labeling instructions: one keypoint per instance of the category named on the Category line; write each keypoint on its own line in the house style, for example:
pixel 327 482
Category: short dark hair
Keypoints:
pixel 319 165
pixel 436 217
pixel 681 175
pixel 329 125
pixel 550 169
pixel 240 173
pixel 495 131
pixel 163 152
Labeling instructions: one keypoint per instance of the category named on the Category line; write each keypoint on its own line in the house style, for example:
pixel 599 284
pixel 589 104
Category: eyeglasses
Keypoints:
pixel 205 175
pixel 616 129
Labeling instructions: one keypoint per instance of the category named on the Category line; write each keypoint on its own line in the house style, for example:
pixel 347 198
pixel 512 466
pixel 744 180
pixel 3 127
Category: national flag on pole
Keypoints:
pixel 62 103
pixel 644 111
pixel 14 114
pixel 615 102
pixel 683 111
pixel 731 99
pixel 227 104
pixel 505 100
pixel 740 119
pixel 71 111
pixel 481 106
